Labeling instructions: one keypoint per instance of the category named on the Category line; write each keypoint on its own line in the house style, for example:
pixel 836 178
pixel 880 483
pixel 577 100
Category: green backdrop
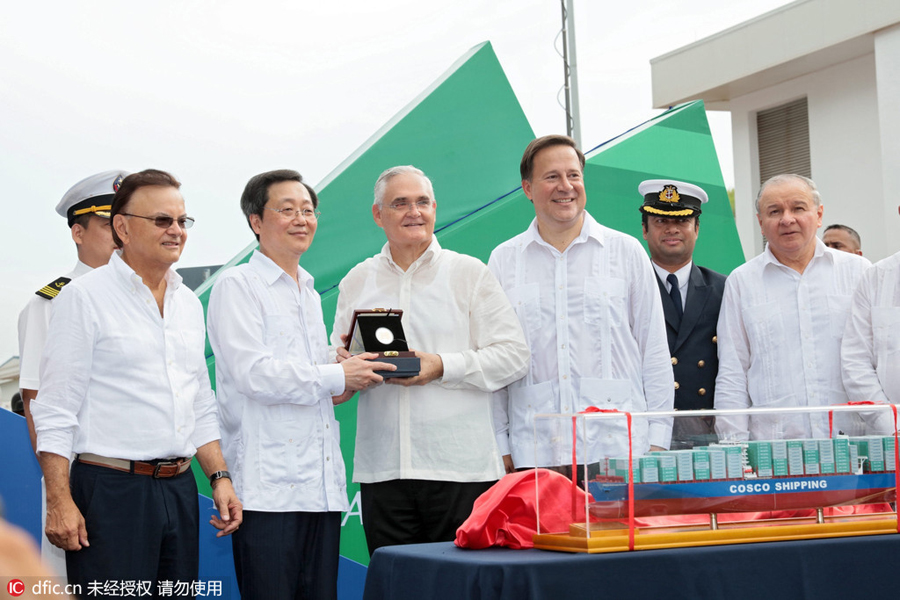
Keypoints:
pixel 467 131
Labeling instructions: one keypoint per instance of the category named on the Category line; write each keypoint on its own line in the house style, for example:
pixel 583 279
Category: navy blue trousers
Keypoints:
pixel 416 511
pixel 140 529
pixel 287 555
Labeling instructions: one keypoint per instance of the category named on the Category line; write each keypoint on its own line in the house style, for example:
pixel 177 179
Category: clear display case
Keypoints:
pixel 819 472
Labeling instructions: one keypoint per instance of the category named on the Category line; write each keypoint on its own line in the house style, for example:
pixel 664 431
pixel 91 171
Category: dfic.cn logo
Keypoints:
pixel 15 587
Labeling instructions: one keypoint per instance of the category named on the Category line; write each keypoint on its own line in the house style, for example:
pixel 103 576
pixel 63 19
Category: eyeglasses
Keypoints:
pixel 405 205
pixel 165 221
pixel 292 213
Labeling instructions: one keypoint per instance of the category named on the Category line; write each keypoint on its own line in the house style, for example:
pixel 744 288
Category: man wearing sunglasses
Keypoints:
pixel 127 390
pixel 86 207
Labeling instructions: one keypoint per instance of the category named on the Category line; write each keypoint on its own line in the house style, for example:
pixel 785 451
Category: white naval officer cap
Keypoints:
pixel 92 194
pixel 669 198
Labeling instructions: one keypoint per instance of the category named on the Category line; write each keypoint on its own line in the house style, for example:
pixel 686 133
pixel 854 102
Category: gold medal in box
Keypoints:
pixel 380 330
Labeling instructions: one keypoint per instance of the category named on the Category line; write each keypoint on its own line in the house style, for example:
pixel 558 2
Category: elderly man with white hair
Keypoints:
pixel 425 446
pixel 782 319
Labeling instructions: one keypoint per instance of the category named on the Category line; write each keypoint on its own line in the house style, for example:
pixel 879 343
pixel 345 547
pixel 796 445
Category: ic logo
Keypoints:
pixel 15 587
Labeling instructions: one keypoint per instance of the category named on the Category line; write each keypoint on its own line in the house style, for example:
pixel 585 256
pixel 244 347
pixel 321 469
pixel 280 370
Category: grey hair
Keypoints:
pixel 849 230
pixel 389 174
pixel 787 178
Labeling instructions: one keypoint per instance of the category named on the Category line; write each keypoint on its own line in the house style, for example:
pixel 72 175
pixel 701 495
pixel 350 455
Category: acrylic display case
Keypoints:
pixel 818 472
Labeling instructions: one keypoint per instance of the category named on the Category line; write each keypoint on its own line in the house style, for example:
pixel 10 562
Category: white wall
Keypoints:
pixel 845 147
pixel 887 66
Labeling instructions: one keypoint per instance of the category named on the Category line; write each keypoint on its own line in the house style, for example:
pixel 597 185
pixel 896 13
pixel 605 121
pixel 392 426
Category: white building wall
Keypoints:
pixel 845 145
pixel 887 67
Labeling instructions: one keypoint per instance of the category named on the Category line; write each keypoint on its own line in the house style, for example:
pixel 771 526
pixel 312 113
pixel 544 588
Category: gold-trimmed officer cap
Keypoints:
pixel 91 195
pixel 669 198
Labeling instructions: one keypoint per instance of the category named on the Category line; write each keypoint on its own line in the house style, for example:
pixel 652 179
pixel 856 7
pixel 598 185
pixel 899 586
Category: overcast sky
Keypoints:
pixel 216 91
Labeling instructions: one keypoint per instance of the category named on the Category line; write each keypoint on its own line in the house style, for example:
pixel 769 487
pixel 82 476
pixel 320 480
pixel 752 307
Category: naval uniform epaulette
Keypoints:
pixel 51 290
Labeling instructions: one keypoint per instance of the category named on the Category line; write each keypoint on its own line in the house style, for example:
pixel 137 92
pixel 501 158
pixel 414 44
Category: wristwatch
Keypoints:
pixel 219 475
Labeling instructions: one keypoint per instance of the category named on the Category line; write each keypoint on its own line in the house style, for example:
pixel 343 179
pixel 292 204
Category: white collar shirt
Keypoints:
pixel 118 379
pixel 33 323
pixel 870 350
pixel 452 306
pixel 779 342
pixel 683 275
pixel 594 322
pixel 274 387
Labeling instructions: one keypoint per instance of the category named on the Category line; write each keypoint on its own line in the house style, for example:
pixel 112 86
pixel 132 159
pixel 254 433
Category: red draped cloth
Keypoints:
pixel 506 514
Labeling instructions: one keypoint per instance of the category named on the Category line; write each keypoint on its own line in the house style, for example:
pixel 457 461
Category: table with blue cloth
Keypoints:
pixel 852 567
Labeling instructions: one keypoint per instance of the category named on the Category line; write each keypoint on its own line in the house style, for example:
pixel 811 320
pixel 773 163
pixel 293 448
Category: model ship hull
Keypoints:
pixel 748 495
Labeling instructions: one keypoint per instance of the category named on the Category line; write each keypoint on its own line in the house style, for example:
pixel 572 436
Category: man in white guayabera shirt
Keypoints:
pixel 870 352
pixel 275 390
pixel 425 446
pixel 124 385
pixel 588 301
pixel 782 319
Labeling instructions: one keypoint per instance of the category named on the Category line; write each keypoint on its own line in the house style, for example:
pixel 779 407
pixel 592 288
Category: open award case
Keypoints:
pixel 823 472
pixel 380 330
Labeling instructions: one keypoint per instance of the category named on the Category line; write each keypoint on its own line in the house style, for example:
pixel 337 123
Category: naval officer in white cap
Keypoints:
pixel 86 207
pixel 691 297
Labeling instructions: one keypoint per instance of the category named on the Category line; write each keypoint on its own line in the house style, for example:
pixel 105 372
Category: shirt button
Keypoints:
pixel 677 385
pixel 565 376
pixel 701 364
pixel 292 486
pixel 327 458
pixel 563 347
pixel 327 426
pixel 291 441
pixel 674 361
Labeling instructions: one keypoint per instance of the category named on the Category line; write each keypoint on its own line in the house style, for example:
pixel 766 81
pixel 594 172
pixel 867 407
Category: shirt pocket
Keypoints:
pixel 609 437
pixel 886 330
pixel 280 334
pixel 604 300
pixel 289 453
pixel 526 301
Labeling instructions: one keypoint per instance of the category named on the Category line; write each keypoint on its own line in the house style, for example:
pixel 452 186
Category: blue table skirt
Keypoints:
pixel 844 568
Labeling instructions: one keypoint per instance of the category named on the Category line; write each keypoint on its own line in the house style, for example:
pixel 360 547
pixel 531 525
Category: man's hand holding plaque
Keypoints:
pixel 358 373
pixel 379 332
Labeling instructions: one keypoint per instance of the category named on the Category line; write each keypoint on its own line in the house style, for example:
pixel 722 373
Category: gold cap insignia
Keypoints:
pixel 669 194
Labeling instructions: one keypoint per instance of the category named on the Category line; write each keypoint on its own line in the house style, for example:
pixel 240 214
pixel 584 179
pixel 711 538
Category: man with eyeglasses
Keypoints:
pixel 276 391
pixel 425 448
pixel 124 386
pixel 86 207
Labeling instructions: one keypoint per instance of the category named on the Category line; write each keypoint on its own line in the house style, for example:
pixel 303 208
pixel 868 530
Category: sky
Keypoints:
pixel 216 91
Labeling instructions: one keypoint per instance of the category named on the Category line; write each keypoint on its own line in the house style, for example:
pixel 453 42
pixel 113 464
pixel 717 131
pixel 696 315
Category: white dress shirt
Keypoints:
pixel 118 379
pixel 33 323
pixel 593 319
pixel 871 347
pixel 452 306
pixel 274 385
pixel 779 341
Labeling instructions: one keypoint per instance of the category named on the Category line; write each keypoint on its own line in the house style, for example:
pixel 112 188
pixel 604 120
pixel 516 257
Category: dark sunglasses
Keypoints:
pixel 164 222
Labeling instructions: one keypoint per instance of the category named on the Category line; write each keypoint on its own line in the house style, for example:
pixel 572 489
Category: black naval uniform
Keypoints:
pixel 692 343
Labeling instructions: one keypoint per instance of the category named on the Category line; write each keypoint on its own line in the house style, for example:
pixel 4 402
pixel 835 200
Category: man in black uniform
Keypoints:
pixel 691 297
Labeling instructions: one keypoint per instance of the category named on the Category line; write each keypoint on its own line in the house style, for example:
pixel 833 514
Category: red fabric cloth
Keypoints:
pixel 506 514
